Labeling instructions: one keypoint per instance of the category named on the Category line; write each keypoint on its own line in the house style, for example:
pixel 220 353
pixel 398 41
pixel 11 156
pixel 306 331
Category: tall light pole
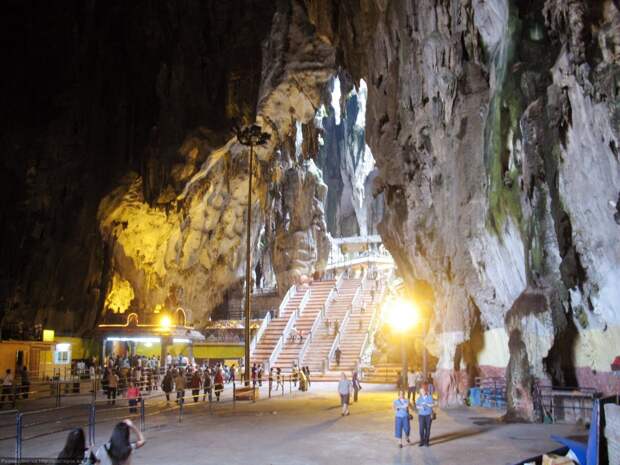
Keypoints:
pixel 249 136
pixel 402 316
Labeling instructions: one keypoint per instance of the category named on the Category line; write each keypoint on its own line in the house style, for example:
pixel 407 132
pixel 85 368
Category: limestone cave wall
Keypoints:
pixel 494 126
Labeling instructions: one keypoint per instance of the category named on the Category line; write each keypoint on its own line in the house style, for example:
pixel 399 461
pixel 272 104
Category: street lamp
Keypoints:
pixel 249 136
pixel 402 316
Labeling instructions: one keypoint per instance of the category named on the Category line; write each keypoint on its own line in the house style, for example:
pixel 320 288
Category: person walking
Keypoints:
pixel 196 384
pixel 260 375
pixel 307 372
pixel 112 387
pixel 118 450
pixel 355 382
pixel 254 375
pixel 344 390
pixel 207 385
pixel 133 395
pixel 424 405
pixel 402 418
pixel 219 382
pixel 411 384
pixel 179 385
pixel 166 385
pixel 337 355
pixel 279 379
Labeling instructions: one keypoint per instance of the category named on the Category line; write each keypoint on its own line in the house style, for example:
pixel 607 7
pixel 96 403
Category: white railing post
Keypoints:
pixel 288 296
pixel 287 329
pixel 259 332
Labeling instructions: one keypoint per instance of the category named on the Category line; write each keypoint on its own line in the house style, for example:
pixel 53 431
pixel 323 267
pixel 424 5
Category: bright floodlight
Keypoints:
pixel 401 315
pixel 165 322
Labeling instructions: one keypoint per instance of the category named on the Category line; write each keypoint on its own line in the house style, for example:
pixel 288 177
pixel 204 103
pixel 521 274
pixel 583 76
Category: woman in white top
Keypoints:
pixel 119 449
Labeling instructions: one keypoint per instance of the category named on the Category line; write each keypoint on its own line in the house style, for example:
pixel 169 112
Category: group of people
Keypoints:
pixel 421 390
pixel 117 451
pixel 209 380
pixel 11 389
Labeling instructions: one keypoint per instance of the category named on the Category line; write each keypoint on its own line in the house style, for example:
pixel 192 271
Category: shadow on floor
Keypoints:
pixel 457 435
pixel 312 429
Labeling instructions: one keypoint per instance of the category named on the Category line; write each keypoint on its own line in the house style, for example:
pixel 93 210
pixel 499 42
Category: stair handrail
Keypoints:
pixel 304 301
pixel 372 327
pixel 315 327
pixel 343 324
pixel 259 333
pixel 288 296
pixel 289 325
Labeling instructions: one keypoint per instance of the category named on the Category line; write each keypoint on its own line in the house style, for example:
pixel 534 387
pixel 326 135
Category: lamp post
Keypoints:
pixel 249 136
pixel 402 316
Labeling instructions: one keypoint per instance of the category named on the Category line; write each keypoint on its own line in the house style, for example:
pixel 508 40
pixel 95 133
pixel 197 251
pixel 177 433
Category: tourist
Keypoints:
pixel 25 383
pixel 399 382
pixel 168 360
pixel 301 336
pixel 207 385
pixel 112 386
pixel 303 381
pixel 118 450
pixel 307 372
pixel 424 405
pixel 232 373
pixel 359 324
pixel 411 384
pixel 295 374
pixel 337 354
pixel 344 389
pixel 260 375
pixel 166 385
pixel 219 382
pixel 327 325
pixel 7 386
pixel 179 385
pixel 196 384
pixel 75 449
pixel 254 375
pixel 357 387
pixel 402 418
pixel 279 379
pixel 133 394
pixel 336 328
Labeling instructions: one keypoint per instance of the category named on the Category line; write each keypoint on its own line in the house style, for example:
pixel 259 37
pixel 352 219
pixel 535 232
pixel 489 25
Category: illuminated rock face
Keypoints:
pixel 192 245
pixel 495 131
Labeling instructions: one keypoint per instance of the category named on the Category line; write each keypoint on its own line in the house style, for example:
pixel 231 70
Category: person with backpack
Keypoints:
pixel 196 384
pixel 118 450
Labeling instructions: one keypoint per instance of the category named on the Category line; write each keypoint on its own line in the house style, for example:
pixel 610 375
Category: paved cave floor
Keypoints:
pixel 306 428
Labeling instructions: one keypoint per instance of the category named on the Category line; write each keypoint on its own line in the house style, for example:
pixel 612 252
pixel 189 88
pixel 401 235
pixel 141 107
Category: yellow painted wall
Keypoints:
pixel 218 351
pixel 495 349
pixel 8 356
pixel 153 351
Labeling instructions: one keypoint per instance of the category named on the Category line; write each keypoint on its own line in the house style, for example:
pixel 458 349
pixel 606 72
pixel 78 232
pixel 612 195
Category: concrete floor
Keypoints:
pixel 306 428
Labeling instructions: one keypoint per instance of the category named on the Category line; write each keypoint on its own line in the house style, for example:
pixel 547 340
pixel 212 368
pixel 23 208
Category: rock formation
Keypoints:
pixel 494 126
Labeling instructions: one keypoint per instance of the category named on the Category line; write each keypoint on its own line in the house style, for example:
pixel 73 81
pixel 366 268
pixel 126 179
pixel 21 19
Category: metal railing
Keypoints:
pixel 345 321
pixel 25 428
pixel 259 333
pixel 304 302
pixel 289 325
pixel 373 325
pixel 288 296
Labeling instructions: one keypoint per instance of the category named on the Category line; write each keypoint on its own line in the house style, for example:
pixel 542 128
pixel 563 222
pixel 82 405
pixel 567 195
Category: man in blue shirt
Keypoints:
pixel 424 404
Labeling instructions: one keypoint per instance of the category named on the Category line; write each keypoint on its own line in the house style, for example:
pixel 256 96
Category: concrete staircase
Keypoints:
pixel 270 337
pixel 322 339
pixel 319 291
pixel 354 334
